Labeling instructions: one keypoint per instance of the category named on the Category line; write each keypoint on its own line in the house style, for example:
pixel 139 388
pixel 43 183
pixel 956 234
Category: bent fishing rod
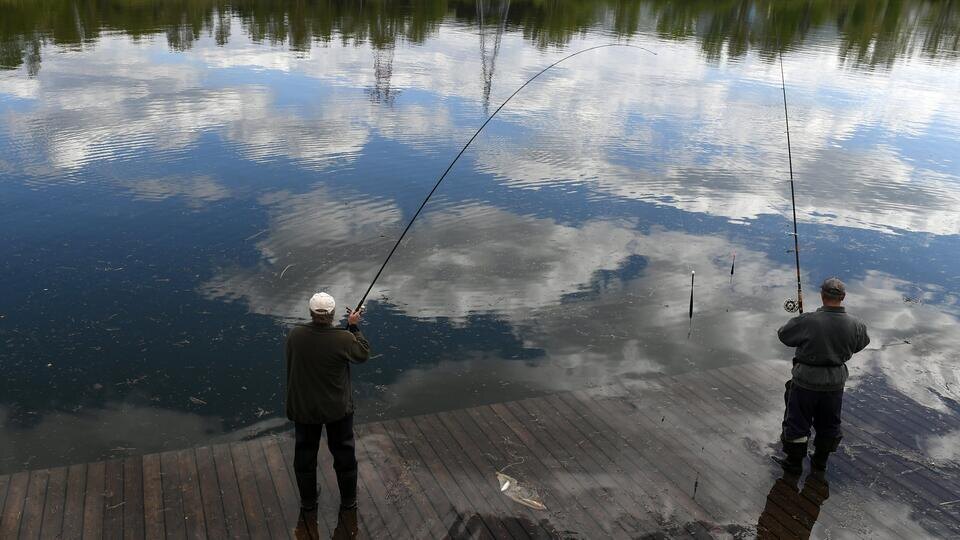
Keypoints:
pixel 790 305
pixel 464 149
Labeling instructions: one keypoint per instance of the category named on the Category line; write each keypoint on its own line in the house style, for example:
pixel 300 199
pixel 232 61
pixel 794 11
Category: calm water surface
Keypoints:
pixel 176 181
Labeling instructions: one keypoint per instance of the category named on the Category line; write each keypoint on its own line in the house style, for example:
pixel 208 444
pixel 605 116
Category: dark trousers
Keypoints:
pixel 811 408
pixel 342 447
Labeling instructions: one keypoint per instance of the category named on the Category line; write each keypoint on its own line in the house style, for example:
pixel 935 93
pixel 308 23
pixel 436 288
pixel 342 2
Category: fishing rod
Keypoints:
pixel 464 149
pixel 790 305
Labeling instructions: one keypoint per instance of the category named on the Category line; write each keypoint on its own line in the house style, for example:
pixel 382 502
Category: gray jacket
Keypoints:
pixel 825 339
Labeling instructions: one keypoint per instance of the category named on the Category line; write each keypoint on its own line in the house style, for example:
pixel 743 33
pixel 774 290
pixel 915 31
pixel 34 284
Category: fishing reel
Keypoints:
pixel 791 305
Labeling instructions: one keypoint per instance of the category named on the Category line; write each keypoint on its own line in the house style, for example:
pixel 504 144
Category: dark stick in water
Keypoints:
pixel 464 149
pixel 734 263
pixel 692 274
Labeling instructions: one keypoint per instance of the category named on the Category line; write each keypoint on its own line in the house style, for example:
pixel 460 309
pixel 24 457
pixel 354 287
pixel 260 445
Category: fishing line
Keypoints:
pixel 464 149
pixel 789 305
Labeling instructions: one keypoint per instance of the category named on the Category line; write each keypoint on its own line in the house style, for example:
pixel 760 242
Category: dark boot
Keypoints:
pixel 822 448
pixel 347 528
pixel 793 462
pixel 307 525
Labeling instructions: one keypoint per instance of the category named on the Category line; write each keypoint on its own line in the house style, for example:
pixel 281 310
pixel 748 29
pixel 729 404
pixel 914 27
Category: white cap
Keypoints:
pixel 322 303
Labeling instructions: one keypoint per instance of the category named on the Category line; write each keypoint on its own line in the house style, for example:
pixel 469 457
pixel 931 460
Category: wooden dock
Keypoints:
pixel 678 456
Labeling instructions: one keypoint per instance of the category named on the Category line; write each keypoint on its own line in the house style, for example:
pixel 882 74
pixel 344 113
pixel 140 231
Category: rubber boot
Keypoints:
pixel 307 525
pixel 793 462
pixel 822 448
pixel 347 528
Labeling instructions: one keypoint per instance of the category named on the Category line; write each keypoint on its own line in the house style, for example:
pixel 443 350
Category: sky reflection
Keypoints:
pixel 190 200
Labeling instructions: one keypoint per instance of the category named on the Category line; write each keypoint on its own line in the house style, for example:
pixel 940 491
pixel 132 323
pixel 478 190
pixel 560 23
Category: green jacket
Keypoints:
pixel 825 339
pixel 318 372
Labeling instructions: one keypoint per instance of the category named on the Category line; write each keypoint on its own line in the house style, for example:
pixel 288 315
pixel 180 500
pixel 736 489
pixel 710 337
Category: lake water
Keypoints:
pixel 177 179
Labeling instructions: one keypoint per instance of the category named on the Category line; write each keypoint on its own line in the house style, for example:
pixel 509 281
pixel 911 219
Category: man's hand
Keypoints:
pixel 353 318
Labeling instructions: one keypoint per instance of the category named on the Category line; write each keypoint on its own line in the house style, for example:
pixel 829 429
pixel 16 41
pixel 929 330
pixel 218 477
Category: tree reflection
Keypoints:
pixel 871 33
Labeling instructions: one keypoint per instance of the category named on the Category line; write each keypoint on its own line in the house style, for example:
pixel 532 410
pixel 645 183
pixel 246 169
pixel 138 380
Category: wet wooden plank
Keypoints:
pixel 133 509
pixel 328 504
pixel 659 498
pixel 395 513
pixel 230 492
pixel 55 502
pixel 193 519
pixel 153 515
pixel 464 508
pixel 287 495
pixel 216 524
pixel 631 502
pixel 524 463
pixel 737 381
pixel 13 505
pixel 93 500
pixel 273 512
pixel 4 485
pixel 113 501
pixel 515 517
pixel 881 465
pixel 420 487
pixel 249 497
pixel 73 505
pixel 33 506
pixel 563 471
pixel 173 519
pixel 477 489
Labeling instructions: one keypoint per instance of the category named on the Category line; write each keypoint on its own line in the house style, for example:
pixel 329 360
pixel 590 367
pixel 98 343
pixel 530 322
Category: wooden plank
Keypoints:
pixel 563 472
pixel 113 502
pixel 928 484
pixel 272 510
pixel 283 484
pixel 230 492
pixel 652 440
pixel 55 503
pixel 419 483
pixel 477 489
pixel 252 507
pixel 93 501
pixel 876 465
pixel 153 514
pixel 32 519
pixel 173 518
pixel 634 504
pixel 523 463
pixel 194 522
pixel 133 527
pixel 13 505
pixel 779 503
pixel 4 487
pixel 682 427
pixel 840 468
pixel 516 518
pixel 391 514
pixel 671 507
pixel 73 507
pixel 216 525
pixel 442 474
pixel 328 507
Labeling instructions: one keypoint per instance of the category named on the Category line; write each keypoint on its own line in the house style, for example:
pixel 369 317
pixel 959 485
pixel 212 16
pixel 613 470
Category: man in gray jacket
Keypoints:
pixel 824 339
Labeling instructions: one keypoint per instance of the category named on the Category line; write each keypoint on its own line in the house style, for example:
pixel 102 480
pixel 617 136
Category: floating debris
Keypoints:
pixel 197 401
pixel 525 496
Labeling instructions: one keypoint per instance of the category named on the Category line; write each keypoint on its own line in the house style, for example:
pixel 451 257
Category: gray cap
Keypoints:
pixel 833 287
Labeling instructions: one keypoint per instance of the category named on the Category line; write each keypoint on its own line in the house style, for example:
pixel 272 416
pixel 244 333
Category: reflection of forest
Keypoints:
pixel 871 32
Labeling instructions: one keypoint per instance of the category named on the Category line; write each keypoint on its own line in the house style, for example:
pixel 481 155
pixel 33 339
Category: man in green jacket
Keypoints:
pixel 824 339
pixel 319 394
